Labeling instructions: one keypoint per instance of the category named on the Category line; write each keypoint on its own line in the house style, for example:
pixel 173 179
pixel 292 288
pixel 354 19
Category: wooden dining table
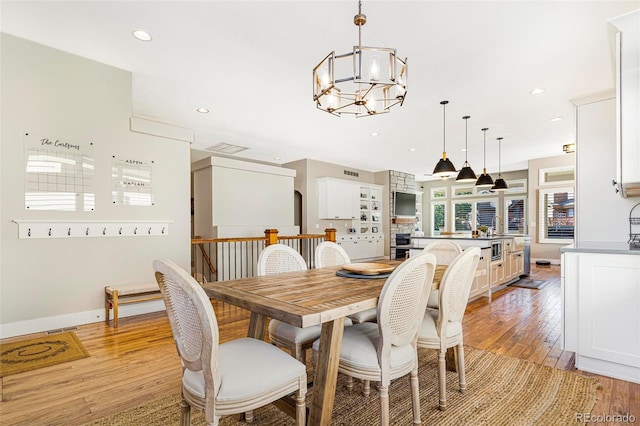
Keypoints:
pixel 304 299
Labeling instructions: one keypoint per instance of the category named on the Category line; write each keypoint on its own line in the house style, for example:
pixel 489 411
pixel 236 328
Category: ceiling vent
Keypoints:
pixel 226 148
pixel 350 173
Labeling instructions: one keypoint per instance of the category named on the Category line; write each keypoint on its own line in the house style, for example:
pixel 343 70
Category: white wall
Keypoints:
pixel 46 284
pixel 601 214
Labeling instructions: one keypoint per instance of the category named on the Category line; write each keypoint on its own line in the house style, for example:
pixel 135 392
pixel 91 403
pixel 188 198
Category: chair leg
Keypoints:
pixel 349 383
pixel 442 379
pixel 185 413
pixel 301 407
pixel 384 405
pixel 415 396
pixel 461 377
pixel 366 390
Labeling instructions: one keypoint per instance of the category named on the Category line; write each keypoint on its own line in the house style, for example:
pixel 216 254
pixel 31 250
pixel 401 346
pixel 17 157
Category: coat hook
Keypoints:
pixel 69 232
pixel 104 231
pixel 86 232
pixel 29 233
pixel 149 231
pixel 120 231
pixel 135 230
pixel 49 231
pixel 163 230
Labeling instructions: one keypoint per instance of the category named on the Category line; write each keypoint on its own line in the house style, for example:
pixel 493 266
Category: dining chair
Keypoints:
pixel 276 259
pixel 229 378
pixel 445 251
pixel 329 253
pixel 386 350
pixel 442 328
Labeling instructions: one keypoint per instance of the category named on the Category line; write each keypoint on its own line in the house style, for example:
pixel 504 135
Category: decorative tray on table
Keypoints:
pixel 366 270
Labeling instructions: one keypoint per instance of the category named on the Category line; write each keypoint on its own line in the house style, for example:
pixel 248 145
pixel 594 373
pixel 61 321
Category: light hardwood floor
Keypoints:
pixel 138 362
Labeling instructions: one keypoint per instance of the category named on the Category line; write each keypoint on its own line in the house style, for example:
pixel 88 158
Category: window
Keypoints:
pixel 437 193
pixel 463 216
pixel 485 212
pixel 515 212
pixel 557 176
pixel 463 191
pixel 517 186
pixel 557 210
pixel 438 215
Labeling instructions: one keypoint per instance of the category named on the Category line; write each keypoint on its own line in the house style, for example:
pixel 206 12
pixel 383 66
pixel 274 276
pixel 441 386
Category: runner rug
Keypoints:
pixel 27 355
pixel 500 391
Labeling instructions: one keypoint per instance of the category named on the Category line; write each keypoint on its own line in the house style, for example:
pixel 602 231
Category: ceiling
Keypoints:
pixel 250 62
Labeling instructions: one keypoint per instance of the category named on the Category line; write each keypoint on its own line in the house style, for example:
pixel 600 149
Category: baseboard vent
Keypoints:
pixel 350 173
pixel 60 330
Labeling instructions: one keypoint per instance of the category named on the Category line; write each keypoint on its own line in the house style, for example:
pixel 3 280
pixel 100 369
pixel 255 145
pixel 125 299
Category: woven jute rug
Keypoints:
pixel 500 391
pixel 30 354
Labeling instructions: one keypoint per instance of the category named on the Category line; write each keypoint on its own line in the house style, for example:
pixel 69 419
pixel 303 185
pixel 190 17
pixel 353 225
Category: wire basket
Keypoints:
pixel 634 229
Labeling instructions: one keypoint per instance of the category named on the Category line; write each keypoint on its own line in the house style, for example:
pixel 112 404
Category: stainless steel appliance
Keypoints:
pixel 402 240
pixel 527 255
pixel 496 250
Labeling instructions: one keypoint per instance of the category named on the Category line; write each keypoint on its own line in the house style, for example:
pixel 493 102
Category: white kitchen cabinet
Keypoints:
pixel 498 271
pixel 601 319
pixel 362 247
pixel 628 102
pixel 370 209
pixel 338 199
pixel 481 285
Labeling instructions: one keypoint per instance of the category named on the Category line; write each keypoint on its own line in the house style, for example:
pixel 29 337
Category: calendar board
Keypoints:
pixel 58 174
pixel 132 182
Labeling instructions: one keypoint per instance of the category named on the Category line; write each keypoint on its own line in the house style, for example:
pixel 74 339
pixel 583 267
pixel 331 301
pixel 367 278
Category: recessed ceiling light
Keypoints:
pixel 202 110
pixel 556 119
pixel 142 35
pixel 412 149
pixel 537 91
pixel 374 133
pixel 276 158
pixel 463 150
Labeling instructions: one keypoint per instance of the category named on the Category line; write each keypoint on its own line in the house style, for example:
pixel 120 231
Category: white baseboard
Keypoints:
pixel 38 325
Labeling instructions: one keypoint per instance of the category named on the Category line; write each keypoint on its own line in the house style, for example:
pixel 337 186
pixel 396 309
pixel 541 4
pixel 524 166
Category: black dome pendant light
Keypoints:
pixel 501 184
pixel 445 168
pixel 466 172
pixel 484 179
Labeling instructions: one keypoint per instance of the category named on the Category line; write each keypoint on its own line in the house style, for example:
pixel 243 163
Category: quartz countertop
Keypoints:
pixel 605 247
pixel 468 237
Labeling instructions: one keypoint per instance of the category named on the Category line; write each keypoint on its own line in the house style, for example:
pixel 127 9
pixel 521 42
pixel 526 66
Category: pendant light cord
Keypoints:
pixel 499 157
pixel 484 161
pixel 466 138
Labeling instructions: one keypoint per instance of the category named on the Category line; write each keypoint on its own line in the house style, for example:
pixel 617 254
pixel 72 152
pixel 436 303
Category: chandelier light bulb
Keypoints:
pixel 375 69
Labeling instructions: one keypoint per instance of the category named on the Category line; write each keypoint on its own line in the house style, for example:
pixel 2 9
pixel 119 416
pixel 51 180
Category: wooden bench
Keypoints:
pixel 128 293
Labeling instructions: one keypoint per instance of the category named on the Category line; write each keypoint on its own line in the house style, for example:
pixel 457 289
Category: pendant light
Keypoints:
pixel 501 184
pixel 445 168
pixel 466 172
pixel 484 179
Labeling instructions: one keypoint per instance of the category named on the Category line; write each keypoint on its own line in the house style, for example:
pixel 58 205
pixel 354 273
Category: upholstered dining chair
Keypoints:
pixel 329 253
pixel 276 259
pixel 442 328
pixel 445 251
pixel 386 350
pixel 229 378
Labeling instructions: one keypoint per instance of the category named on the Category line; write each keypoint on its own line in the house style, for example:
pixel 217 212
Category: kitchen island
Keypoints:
pixel 600 283
pixel 502 259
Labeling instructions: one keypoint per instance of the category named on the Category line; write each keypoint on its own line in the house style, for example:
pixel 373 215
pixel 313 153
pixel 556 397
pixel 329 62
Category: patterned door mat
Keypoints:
pixel 529 283
pixel 30 354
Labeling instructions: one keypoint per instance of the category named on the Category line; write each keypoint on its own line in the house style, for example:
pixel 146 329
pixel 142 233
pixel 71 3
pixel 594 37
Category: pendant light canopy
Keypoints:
pixel 466 172
pixel 484 179
pixel 501 184
pixel 445 168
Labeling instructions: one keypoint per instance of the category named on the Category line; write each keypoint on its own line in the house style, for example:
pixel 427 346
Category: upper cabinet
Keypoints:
pixel 338 199
pixel 628 102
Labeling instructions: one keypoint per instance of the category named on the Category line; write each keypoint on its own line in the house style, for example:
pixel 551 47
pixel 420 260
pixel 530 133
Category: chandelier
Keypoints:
pixel 364 82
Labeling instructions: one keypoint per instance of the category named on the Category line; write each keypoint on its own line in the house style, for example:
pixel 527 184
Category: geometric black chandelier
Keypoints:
pixel 366 81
